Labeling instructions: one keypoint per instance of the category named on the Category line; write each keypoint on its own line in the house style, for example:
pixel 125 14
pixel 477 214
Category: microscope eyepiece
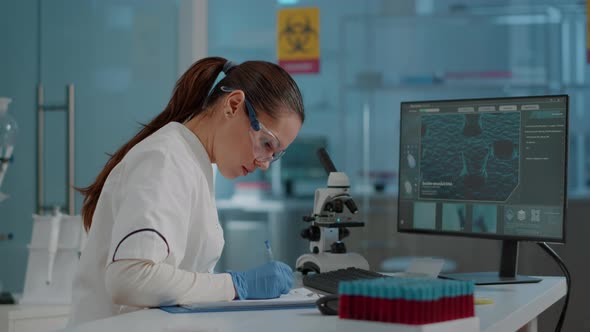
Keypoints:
pixel 325 160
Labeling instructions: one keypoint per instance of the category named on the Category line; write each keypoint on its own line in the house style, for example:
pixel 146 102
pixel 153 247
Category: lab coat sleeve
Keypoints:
pixel 151 208
pixel 142 283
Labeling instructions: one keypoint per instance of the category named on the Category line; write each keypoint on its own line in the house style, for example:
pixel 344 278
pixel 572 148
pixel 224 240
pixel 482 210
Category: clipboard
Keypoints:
pixel 298 298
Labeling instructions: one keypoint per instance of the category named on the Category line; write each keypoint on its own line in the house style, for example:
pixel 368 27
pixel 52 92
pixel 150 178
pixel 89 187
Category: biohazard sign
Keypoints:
pixel 298 40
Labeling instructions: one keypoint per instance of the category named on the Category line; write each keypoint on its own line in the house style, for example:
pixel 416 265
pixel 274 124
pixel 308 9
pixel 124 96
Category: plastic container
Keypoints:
pixel 71 241
pixel 8 130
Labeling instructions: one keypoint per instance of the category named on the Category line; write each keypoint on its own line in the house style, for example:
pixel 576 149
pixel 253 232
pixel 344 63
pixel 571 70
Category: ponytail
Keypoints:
pixel 187 100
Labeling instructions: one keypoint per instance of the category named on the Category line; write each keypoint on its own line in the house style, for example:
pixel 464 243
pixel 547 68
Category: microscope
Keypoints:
pixel 334 212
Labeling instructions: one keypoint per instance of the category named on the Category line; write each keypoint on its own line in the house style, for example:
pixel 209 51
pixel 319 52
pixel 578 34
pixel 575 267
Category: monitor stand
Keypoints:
pixel 507 274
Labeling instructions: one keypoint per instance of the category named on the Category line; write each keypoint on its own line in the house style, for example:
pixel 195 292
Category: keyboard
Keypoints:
pixel 328 281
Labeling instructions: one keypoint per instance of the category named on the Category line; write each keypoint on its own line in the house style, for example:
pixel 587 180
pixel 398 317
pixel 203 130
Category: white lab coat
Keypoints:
pixel 157 205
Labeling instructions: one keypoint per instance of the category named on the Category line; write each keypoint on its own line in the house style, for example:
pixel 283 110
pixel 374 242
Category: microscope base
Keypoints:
pixel 325 261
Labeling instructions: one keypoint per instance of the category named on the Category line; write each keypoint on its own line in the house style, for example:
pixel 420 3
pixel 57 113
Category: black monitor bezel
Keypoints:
pixel 561 240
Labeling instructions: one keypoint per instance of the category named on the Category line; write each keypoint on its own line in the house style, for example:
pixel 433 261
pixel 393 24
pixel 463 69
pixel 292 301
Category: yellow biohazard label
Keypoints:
pixel 298 34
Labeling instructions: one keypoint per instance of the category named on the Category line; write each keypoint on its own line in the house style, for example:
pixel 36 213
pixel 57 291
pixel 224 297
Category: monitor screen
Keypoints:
pixel 493 168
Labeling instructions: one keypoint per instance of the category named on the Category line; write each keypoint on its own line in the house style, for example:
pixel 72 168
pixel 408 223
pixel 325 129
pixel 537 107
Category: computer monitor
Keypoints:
pixel 487 168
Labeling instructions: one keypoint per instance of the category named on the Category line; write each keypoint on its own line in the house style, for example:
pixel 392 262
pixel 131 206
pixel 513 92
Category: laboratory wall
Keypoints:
pixel 377 53
pixel 19 73
pixel 121 57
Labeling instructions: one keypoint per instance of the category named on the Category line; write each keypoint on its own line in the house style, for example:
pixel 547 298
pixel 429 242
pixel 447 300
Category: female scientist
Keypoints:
pixel 153 231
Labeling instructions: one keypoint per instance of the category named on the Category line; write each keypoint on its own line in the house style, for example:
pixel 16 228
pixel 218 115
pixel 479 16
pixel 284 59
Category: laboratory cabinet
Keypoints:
pixel 33 318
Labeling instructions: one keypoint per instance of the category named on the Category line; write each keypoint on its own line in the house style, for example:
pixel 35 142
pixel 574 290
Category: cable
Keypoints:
pixel 568 281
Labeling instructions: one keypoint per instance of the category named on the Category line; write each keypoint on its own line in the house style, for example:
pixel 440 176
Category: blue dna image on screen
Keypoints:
pixel 470 156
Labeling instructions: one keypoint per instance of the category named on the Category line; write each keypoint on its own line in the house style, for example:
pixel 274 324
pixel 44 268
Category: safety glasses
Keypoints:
pixel 264 143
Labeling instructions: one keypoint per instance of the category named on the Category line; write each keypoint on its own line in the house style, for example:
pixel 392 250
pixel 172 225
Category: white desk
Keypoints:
pixel 515 306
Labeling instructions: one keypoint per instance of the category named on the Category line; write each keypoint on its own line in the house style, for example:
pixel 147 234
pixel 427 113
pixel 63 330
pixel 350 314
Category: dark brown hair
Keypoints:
pixel 266 85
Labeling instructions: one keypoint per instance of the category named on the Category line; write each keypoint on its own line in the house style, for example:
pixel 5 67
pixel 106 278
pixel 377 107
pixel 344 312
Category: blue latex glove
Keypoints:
pixel 264 282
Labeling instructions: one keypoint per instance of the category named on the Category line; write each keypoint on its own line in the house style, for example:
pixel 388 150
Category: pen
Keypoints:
pixel 269 250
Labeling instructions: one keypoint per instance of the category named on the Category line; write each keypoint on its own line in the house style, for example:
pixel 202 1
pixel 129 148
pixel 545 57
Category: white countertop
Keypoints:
pixel 514 306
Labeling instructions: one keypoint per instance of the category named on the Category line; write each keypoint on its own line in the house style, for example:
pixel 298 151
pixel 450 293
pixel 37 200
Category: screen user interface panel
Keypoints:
pixel 487 167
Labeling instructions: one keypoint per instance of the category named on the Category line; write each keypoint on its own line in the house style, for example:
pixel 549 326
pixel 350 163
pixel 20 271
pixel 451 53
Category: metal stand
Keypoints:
pixel 507 273
pixel 41 109
pixel 57 239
